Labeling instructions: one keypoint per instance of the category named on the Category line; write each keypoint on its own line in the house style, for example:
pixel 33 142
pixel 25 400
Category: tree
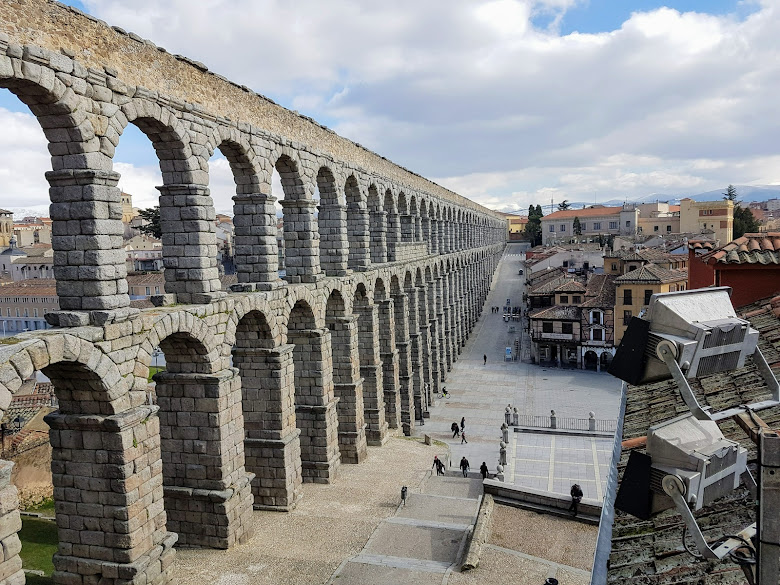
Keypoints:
pixel 533 229
pixel 152 226
pixel 577 227
pixel 730 194
pixel 564 205
pixel 744 222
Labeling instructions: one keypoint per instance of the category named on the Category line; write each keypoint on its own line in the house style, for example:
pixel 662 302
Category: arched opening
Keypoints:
pixel 297 232
pixel 347 383
pixel 378 227
pixel 370 367
pixel 407 223
pixel 393 226
pixel 388 354
pixel 357 225
pixel 332 224
pixel 202 445
pixel 315 411
pixel 590 360
pixel 605 360
pixel 271 443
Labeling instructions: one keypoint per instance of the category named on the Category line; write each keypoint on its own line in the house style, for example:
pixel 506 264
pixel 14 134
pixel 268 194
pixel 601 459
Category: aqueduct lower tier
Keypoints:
pixel 263 391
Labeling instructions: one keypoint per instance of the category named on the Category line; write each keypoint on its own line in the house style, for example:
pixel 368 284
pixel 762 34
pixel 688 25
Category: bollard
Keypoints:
pixel 553 423
pixel 591 421
pixel 515 417
pixel 508 414
pixel 505 433
pixel 502 453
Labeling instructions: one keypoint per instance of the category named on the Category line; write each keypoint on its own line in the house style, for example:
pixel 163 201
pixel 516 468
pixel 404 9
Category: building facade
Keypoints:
pixel 24 304
pixel 699 216
pixel 593 221
pixel 658 219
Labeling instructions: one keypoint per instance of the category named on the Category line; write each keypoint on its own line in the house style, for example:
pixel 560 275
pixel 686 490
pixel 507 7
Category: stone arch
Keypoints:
pixel 247 173
pixel 315 405
pixel 393 225
pixel 378 226
pixel 244 306
pixel 357 225
pixel 190 327
pixel 332 224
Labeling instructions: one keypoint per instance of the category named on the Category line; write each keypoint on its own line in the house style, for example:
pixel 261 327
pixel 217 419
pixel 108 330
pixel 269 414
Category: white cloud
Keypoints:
pixel 501 111
pixel 23 164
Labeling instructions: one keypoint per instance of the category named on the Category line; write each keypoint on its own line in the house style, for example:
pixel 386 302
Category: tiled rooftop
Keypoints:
pixel 651 552
pixel 652 273
pixel 600 291
pixel 762 248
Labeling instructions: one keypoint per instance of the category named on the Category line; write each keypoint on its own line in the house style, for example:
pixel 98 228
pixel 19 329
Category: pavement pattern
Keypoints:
pixel 481 391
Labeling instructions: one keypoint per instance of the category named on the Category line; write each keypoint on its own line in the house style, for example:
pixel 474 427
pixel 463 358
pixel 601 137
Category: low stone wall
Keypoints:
pixel 499 489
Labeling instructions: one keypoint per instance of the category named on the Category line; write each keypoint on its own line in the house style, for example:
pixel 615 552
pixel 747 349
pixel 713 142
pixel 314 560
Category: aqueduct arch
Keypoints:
pixel 268 386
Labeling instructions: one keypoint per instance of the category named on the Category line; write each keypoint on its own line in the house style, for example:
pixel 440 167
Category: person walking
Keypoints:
pixel 436 464
pixel 462 424
pixel 440 468
pixel 576 498
pixel 464 466
pixel 455 429
pixel 463 437
pixel 484 358
pixel 483 470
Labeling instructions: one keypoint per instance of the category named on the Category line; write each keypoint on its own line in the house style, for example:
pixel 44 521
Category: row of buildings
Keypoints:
pixel 581 299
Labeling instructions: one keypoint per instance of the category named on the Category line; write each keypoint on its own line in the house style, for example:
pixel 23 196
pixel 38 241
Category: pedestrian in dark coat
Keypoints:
pixel 576 498
pixel 463 437
pixel 455 429
pixel 462 424
pixel 483 469
pixel 464 466
pixel 484 358
pixel 436 464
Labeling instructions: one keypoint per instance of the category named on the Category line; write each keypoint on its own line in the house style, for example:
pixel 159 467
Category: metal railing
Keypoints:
pixel 567 423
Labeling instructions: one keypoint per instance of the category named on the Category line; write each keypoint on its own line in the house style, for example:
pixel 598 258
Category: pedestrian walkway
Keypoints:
pixel 424 540
pixel 480 392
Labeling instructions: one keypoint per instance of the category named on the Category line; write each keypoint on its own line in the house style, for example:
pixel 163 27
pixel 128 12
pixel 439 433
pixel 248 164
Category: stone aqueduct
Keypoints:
pixel 270 385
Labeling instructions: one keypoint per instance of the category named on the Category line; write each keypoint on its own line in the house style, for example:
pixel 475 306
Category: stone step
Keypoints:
pixel 542 509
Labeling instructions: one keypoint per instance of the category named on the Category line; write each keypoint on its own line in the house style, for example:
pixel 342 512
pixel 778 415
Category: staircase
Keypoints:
pixel 424 540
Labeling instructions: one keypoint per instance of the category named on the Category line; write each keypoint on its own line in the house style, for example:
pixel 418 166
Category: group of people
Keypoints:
pixel 459 431
pixel 495 309
pixel 464 466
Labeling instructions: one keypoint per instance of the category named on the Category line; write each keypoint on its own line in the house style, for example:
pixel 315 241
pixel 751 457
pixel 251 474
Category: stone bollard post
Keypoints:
pixel 505 433
pixel 515 417
pixel 502 453
pixel 553 423
pixel 508 414
pixel 591 421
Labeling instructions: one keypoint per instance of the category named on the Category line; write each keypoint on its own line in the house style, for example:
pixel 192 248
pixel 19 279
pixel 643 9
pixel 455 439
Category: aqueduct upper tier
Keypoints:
pixel 267 386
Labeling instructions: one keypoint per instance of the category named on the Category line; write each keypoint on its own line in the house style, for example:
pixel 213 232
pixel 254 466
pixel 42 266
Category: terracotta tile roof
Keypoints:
pixel 36 287
pixel 570 285
pixel 548 287
pixel 581 213
pixel 650 552
pixel 559 313
pixel 762 248
pixel 652 273
pixel 600 291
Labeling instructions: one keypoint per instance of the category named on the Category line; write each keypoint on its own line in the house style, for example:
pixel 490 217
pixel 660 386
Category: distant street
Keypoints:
pixel 480 393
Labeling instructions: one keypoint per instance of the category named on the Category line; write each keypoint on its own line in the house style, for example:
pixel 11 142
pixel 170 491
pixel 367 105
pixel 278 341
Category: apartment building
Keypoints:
pixel 701 216
pixel 24 304
pixel 593 221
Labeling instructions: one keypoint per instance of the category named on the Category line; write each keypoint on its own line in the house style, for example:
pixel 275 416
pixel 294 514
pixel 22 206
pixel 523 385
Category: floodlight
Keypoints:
pixel 689 463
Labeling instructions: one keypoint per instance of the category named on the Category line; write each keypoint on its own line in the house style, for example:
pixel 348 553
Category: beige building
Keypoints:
pixel 24 304
pixel 658 219
pixel 594 221
pixel 634 289
pixel 6 227
pixel 717 216
pixel 31 231
pixel 128 211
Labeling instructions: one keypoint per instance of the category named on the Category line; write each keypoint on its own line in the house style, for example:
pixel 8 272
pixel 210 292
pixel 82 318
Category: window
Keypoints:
pixel 564 299
pixel 576 299
pixel 655 228
pixel 639 229
pixel 563 227
pixel 668 229
pixel 613 225
pixel 627 300
pixel 628 223
pixel 567 328
pixel 547 327
pixel 614 266
pixel 8 311
pixel 596 318
pixel 626 317
pixel 17 312
pixel 598 335
pixel 148 291
pixel 157 290
pixel 648 294
pixel 35 312
pixel 596 225
pixel 552 229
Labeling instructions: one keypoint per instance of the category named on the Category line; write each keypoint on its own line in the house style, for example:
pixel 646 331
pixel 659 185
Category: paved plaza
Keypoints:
pixel 480 392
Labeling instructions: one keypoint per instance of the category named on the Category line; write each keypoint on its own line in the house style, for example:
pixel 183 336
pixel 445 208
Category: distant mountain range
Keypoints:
pixel 746 193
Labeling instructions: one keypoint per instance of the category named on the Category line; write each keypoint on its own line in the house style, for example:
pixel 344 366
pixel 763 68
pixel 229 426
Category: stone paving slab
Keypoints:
pixel 415 542
pixel 453 485
pixel 363 573
pixel 436 508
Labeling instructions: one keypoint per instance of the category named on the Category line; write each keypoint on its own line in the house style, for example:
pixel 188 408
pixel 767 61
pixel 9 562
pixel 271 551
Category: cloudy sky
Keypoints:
pixel 508 102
